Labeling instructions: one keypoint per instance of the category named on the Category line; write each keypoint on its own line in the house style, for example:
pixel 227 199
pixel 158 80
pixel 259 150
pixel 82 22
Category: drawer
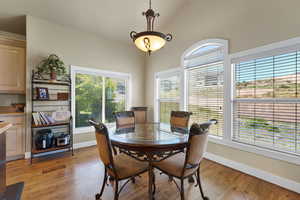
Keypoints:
pixel 15 120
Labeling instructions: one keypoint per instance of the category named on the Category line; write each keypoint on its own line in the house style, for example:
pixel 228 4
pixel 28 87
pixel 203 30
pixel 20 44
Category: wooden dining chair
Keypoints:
pixel 185 165
pixel 120 167
pixel 125 119
pixel 179 121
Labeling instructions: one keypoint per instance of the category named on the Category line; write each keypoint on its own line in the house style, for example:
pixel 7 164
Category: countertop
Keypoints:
pixel 4 126
pixel 11 113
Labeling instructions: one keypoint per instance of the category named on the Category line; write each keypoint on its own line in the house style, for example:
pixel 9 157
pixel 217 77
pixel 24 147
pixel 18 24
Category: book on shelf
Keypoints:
pixel 42 119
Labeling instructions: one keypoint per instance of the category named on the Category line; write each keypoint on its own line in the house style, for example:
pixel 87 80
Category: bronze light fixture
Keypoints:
pixel 150 40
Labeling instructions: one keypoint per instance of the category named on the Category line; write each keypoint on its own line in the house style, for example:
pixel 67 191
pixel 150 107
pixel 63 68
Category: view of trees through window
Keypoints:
pixel 267 106
pixel 90 102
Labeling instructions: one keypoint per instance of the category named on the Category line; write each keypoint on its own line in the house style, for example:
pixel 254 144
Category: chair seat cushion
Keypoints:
pixel 126 166
pixel 174 165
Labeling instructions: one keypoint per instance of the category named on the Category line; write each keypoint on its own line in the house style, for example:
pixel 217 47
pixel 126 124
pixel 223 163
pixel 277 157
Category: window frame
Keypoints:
pixel 102 73
pixel 165 74
pixel 186 70
pixel 229 88
pixel 262 51
pixel 227 110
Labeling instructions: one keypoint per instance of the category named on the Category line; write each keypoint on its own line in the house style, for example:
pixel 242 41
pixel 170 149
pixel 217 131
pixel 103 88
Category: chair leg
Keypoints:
pixel 200 187
pixel 115 150
pixel 116 197
pixel 133 180
pixel 154 186
pixel 191 179
pixel 182 189
pixel 98 196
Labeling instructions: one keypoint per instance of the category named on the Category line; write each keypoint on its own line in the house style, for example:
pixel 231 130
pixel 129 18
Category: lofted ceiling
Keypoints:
pixel 112 19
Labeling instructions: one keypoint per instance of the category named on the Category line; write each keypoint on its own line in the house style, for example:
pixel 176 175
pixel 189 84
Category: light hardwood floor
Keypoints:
pixel 79 178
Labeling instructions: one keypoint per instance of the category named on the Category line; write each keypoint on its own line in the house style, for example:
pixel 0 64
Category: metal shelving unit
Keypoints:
pixel 49 106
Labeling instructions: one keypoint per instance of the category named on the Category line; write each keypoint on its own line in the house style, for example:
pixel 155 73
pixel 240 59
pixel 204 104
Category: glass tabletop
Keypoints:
pixel 152 134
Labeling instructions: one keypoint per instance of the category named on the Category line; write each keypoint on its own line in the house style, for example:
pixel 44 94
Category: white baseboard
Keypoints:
pixel 27 155
pixel 266 176
pixel 85 144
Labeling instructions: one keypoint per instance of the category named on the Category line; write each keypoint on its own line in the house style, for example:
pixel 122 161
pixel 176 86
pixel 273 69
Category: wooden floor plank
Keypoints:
pixel 79 177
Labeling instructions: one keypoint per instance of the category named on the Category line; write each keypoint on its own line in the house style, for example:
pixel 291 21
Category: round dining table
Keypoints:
pixel 150 142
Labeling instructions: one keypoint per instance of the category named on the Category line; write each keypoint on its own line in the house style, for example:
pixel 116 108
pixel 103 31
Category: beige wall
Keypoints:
pixel 246 24
pixel 79 48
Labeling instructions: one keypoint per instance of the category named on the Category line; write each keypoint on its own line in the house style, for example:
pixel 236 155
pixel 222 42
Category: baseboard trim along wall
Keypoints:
pixel 84 144
pixel 266 176
pixel 27 155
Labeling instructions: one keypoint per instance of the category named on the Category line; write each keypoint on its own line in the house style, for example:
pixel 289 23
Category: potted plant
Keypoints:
pixel 53 66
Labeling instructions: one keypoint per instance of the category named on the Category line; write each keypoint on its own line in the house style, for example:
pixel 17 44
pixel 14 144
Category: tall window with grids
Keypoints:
pixel 168 95
pixel 204 72
pixel 267 101
pixel 98 96
pixel 205 95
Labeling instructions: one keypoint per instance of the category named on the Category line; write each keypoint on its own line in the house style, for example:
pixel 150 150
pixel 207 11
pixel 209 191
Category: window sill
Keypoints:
pixel 82 130
pixel 294 159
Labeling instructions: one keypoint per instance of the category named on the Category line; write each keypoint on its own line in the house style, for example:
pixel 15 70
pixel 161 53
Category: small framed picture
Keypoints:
pixel 42 93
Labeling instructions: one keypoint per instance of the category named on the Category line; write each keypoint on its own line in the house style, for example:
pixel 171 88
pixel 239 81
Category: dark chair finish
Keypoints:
pixel 140 114
pixel 125 119
pixel 179 121
pixel 119 167
pixel 185 165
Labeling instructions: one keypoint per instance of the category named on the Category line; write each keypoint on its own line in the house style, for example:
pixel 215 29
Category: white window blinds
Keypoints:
pixel 205 95
pixel 267 102
pixel 168 96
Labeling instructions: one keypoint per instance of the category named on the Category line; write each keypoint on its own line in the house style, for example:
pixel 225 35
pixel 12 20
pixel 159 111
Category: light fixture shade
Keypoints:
pixel 149 42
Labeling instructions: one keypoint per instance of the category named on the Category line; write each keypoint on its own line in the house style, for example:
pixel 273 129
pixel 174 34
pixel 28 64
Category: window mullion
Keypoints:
pixel 227 95
pixel 103 99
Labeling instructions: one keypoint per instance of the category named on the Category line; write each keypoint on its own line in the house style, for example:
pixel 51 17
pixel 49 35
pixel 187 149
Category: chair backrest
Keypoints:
pixel 140 114
pixel 103 144
pixel 125 119
pixel 180 121
pixel 197 143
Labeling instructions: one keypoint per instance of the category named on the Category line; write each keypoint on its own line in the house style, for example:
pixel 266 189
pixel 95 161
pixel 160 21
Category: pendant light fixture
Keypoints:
pixel 150 40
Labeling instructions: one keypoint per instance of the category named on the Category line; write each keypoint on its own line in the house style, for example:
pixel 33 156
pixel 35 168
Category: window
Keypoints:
pixel 115 97
pixel 88 98
pixel 205 101
pixel 168 84
pixel 204 74
pixel 267 100
pixel 97 94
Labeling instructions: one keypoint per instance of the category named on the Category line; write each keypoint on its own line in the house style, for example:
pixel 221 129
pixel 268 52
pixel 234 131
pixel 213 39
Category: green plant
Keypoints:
pixel 52 64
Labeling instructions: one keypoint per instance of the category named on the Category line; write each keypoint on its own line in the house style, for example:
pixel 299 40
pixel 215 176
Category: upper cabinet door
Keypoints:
pixel 12 69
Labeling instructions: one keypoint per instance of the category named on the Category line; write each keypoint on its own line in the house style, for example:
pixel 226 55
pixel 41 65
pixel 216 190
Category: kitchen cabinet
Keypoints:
pixel 14 141
pixel 15 138
pixel 12 69
pixel 12 63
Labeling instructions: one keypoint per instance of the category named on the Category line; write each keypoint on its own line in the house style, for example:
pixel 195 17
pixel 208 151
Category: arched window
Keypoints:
pixel 204 77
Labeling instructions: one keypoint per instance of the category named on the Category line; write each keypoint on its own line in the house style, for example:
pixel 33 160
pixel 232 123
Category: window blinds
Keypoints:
pixel 205 95
pixel 267 102
pixel 168 97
